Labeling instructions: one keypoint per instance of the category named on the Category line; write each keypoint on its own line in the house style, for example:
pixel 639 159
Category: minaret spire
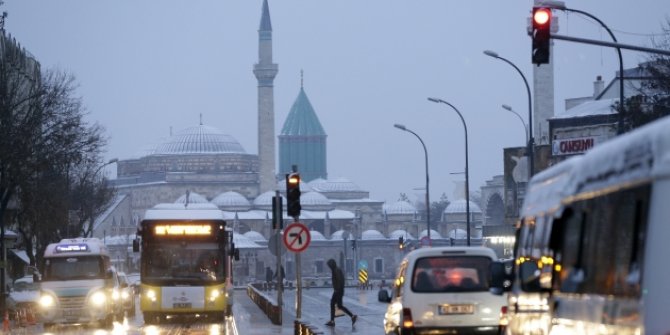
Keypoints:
pixel 265 71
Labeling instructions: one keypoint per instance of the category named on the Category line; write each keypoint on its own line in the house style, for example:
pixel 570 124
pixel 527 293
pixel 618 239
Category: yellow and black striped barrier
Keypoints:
pixel 362 276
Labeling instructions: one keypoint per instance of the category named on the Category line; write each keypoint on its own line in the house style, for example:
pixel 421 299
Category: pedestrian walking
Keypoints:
pixel 338 294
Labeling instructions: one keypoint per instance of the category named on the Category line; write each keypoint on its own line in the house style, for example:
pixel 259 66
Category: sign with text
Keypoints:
pixel 573 146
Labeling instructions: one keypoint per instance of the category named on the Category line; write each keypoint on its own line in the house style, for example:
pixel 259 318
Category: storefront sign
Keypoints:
pixel 573 146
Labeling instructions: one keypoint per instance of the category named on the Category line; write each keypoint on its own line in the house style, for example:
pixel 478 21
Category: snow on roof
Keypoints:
pixel 589 108
pixel 232 201
pixel 243 242
pixel 547 188
pixel 193 198
pixel 400 232
pixel 183 214
pixel 433 234
pixel 255 236
pixel 372 235
pixel 317 236
pixel 399 207
pixel 459 206
pixel 458 234
pixel 110 208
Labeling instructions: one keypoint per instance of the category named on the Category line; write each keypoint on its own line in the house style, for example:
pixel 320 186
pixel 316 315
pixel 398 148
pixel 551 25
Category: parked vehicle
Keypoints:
pixel 444 290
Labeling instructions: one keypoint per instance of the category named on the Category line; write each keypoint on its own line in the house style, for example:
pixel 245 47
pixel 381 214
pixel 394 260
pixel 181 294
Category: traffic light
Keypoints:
pixel 541 34
pixel 401 243
pixel 293 194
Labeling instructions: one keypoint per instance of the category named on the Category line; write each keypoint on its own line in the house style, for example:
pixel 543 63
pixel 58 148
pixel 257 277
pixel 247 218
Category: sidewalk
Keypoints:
pixel 250 320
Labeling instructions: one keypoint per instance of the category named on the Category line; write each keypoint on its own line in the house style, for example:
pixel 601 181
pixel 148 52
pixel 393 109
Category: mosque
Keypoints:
pixel 202 164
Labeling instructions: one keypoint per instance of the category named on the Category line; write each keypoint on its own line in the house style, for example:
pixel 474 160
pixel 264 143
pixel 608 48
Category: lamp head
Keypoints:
pixel 507 107
pixel 434 100
pixel 491 53
pixel 400 126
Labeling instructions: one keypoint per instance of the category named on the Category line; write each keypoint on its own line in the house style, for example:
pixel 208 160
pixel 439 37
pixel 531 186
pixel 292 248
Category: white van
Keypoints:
pixel 78 283
pixel 444 290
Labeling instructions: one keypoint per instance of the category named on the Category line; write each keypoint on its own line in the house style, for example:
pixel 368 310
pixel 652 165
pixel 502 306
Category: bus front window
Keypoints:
pixel 181 263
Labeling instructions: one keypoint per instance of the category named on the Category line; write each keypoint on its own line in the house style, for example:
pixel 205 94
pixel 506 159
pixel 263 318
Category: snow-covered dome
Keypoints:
pixel 372 235
pixel 459 206
pixel 193 198
pixel 199 140
pixel 264 201
pixel 338 235
pixel 317 236
pixel 400 232
pixel 400 207
pixel 243 242
pixel 232 201
pixel 458 234
pixel 255 236
pixel 336 185
pixel 314 184
pixel 315 201
pixel 433 234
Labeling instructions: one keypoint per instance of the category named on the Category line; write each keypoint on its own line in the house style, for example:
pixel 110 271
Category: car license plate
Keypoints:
pixel 456 309
pixel 181 305
pixel 70 313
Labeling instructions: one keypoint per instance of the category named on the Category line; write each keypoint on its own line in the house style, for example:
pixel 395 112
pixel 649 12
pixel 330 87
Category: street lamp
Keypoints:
pixel 560 5
pixel 402 127
pixel 467 174
pixel 509 108
pixel 531 144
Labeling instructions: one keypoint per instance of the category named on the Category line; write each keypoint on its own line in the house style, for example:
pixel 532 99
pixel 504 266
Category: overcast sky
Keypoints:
pixel 146 66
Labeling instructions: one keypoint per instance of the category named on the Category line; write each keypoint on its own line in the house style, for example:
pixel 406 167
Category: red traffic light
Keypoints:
pixel 541 16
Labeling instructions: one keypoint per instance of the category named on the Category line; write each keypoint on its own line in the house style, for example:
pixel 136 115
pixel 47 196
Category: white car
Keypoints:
pixel 24 292
pixel 444 290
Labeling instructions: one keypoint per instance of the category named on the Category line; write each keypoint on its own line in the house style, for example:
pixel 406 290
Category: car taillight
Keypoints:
pixel 503 316
pixel 407 321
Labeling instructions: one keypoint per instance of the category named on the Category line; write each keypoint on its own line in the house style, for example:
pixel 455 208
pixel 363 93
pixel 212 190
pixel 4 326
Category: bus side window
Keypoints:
pixel 571 249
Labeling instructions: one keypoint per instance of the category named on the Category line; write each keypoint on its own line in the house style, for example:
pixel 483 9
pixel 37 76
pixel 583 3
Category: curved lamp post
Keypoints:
pixel 509 108
pixel 467 175
pixel 402 127
pixel 559 5
pixel 531 144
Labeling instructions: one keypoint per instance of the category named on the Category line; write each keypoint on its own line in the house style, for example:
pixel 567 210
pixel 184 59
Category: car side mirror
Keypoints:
pixel 500 279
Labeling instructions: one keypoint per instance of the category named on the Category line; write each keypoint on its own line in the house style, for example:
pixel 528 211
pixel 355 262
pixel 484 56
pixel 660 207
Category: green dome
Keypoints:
pixel 302 120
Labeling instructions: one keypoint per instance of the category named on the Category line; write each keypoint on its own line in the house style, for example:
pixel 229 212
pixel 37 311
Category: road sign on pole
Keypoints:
pixel 297 237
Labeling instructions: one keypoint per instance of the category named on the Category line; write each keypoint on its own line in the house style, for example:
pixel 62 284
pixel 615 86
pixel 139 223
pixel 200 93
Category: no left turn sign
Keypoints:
pixel 297 237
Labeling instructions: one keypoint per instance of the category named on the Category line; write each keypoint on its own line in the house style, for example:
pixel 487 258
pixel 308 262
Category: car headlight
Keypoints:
pixel 47 300
pixel 115 294
pixel 125 295
pixel 98 298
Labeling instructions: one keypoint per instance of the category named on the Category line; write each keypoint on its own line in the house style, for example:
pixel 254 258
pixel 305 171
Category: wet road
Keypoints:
pixel 249 319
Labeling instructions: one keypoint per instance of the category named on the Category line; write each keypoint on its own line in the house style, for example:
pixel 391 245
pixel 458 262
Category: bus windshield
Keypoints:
pixel 183 262
pixel 73 268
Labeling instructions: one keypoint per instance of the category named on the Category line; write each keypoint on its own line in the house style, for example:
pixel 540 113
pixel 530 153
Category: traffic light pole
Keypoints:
pixel 278 211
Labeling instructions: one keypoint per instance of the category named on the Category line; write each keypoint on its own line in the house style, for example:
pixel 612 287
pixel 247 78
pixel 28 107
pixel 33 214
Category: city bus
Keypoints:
pixel 186 253
pixel 78 284
pixel 593 258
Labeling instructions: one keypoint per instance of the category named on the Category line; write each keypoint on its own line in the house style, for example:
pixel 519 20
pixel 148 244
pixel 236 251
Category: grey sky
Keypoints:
pixel 146 66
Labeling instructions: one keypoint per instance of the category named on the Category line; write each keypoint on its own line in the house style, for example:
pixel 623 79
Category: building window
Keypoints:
pixel 319 265
pixel 379 265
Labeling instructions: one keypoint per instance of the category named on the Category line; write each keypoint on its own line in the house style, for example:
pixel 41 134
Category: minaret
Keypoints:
pixel 265 72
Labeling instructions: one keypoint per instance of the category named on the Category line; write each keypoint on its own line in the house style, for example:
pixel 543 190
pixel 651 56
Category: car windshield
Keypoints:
pixel 69 268
pixel 451 274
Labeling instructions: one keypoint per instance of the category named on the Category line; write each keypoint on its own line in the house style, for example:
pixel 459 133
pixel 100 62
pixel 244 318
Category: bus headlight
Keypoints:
pixel 47 300
pixel 98 298
pixel 151 294
pixel 214 295
pixel 125 295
